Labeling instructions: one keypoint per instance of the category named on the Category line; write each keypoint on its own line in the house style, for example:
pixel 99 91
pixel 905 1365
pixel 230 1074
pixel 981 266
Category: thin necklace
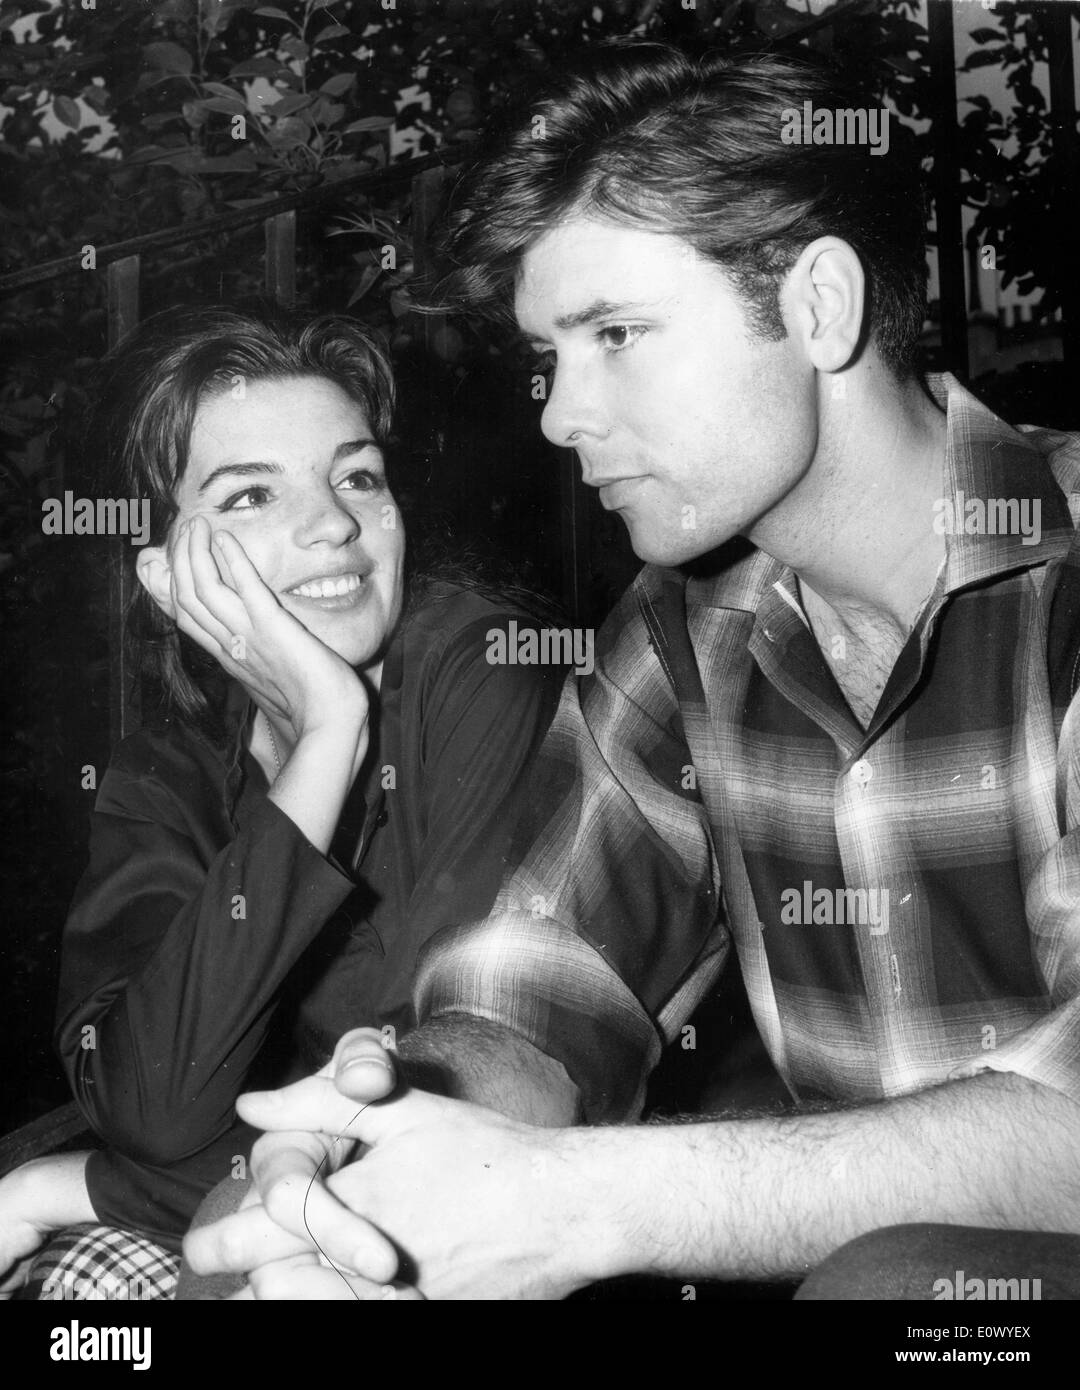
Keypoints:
pixel 273 745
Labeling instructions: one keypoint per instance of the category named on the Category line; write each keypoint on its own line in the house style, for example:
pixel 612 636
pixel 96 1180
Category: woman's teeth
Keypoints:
pixel 328 588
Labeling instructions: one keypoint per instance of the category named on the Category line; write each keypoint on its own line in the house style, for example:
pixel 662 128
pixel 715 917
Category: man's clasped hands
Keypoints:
pixel 437 1205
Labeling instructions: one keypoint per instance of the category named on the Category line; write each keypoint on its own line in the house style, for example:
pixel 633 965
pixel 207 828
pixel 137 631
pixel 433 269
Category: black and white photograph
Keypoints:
pixel 540 610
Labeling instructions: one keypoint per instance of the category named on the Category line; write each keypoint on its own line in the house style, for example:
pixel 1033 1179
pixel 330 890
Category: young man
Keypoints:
pixel 829 736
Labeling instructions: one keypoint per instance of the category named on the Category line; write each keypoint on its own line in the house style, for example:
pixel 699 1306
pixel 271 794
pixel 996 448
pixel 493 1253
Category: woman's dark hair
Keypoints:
pixel 644 135
pixel 145 396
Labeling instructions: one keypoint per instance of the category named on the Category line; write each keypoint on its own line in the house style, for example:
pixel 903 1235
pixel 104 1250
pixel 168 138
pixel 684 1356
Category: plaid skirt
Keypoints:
pixel 97 1263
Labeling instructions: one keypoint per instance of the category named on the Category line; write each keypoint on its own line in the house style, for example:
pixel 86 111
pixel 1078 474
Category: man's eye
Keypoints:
pixel 618 336
pixel 246 501
pixel 544 363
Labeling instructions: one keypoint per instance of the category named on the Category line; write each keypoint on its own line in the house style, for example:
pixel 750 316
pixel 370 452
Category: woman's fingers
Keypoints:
pixel 240 1241
pixel 299 1216
pixel 302 1279
pixel 212 611
pixel 291 1185
pixel 248 583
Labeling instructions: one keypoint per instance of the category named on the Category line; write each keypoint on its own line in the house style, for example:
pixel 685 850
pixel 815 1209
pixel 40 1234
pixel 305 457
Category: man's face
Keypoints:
pixel 692 429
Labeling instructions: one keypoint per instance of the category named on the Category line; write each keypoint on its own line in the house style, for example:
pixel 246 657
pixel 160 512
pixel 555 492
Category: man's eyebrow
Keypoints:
pixel 598 309
pixel 255 469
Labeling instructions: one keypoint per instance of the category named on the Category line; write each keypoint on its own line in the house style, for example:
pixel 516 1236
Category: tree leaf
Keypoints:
pixel 368 276
pixel 168 57
pixel 369 123
pixel 985 35
pixel 271 13
pixel 226 106
pixel 337 85
pixel 147 154
pixel 157 119
pixel 219 89
pixel 98 99
pixel 289 103
pixel 982 59
pixel 332 31
pixel 256 67
pixel 67 112
pixel 242 162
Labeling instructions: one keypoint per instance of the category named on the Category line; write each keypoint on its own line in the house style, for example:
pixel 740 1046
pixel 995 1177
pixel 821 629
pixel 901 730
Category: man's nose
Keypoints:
pixel 573 412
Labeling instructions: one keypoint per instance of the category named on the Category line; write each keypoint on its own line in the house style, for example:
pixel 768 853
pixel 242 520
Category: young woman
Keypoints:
pixel 330 781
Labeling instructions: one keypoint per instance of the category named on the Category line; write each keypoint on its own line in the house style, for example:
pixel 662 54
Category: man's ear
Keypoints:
pixel 155 575
pixel 825 302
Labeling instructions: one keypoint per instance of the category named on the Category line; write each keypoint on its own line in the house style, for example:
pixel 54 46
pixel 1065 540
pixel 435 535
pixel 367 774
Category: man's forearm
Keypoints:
pixel 771 1198
pixel 469 1058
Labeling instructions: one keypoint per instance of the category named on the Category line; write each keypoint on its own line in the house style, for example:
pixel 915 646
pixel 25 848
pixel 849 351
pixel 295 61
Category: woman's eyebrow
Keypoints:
pixel 354 446
pixel 238 470
pixel 253 469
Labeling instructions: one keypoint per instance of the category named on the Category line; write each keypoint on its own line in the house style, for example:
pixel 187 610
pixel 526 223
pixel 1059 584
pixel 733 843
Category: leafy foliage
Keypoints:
pixel 1011 180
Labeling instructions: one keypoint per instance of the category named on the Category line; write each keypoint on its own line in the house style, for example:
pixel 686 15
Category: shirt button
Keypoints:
pixel 862 772
pixel 382 817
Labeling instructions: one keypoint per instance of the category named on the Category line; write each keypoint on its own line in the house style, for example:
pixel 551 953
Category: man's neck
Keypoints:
pixel 858 531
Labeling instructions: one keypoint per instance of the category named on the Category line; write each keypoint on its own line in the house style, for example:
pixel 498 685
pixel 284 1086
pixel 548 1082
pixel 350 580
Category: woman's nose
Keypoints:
pixel 327 519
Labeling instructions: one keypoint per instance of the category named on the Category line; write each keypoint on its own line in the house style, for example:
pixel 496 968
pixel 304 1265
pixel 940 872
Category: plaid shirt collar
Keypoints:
pixel 984 459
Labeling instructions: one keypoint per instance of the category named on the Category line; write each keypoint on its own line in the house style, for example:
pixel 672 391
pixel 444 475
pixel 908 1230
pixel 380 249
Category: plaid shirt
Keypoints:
pixel 708 788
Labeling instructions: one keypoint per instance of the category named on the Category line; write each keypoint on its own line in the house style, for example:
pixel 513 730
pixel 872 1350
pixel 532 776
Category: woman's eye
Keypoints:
pixel 618 336
pixel 362 480
pixel 246 501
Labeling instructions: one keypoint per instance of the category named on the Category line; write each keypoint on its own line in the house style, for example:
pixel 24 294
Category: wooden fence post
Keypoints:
pixel 281 258
pixel 427 189
pixel 1065 152
pixel 125 705
pixel 947 206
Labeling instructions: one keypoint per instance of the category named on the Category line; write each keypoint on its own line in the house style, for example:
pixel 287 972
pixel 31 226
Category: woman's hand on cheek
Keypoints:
pixel 224 606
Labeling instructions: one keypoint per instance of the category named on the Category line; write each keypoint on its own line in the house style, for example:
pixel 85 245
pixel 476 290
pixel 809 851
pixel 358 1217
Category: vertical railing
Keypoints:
pixel 125 705
pixel 1065 152
pixel 280 280
pixel 428 190
pixel 948 211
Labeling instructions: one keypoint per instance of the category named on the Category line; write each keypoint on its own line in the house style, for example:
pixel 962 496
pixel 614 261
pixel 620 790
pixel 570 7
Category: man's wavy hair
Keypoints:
pixel 645 136
pixel 144 399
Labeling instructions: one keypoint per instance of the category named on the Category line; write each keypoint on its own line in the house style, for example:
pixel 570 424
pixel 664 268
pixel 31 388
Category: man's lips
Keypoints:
pixel 615 492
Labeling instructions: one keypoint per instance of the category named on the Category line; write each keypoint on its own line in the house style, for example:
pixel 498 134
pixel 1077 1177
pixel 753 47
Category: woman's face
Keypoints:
pixel 290 468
